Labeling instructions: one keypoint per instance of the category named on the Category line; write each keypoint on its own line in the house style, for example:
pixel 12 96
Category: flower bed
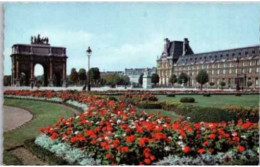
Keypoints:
pixel 112 132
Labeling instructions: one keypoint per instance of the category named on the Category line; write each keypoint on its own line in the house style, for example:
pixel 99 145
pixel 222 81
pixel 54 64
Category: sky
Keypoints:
pixel 129 35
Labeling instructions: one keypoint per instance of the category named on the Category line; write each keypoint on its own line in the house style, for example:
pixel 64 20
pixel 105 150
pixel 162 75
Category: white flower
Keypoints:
pixel 97 122
pixel 202 128
pixel 106 138
pixel 188 118
pixel 124 134
pixel 159 121
pixel 180 137
pixel 118 121
pixel 180 143
pixel 99 139
pixel 244 137
pixel 169 137
pixel 76 132
pixel 141 119
pixel 167 148
pixel 77 117
pixel 164 125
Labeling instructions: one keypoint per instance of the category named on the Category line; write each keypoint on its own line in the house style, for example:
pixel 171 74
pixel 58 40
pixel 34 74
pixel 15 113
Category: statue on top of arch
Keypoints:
pixel 39 40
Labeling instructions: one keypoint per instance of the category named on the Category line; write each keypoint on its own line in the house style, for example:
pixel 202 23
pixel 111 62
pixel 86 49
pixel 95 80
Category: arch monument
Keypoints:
pixel 52 58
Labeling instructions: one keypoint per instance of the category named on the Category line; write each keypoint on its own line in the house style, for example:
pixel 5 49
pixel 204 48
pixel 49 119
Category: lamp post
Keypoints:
pixel 89 51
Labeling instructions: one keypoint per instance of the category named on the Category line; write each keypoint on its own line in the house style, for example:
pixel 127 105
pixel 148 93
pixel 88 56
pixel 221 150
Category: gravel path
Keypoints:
pixel 15 117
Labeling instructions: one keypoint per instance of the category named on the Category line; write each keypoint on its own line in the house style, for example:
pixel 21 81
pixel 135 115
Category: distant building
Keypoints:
pixel 233 66
pixel 112 72
pixel 134 73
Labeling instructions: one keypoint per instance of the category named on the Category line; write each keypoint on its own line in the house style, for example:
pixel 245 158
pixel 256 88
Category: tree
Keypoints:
pixel 82 75
pixel 112 79
pixel 73 76
pixel 249 83
pixel 183 78
pixel 211 83
pixel 7 80
pixel 125 80
pixel 173 79
pixel 202 78
pixel 94 74
pixel 140 80
pixel 155 78
pixel 222 84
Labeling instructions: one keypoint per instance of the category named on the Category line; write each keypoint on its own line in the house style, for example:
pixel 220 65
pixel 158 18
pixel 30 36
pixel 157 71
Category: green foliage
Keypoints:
pixel 115 79
pixel 207 94
pixel 140 80
pixel 202 77
pixel 11 159
pixel 244 112
pixel 94 74
pixel 73 76
pixel 82 75
pixel 170 105
pixel 222 84
pixel 183 78
pixel 7 80
pixel 173 79
pixel 209 114
pixel 211 83
pixel 183 109
pixel 44 153
pixel 187 100
pixel 249 83
pixel 150 105
pixel 155 78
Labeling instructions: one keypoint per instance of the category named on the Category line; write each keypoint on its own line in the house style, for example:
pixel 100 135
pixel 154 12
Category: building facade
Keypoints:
pixel 134 73
pixel 233 66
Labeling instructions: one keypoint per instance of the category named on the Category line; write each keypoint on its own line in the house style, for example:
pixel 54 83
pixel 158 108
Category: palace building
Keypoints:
pixel 235 67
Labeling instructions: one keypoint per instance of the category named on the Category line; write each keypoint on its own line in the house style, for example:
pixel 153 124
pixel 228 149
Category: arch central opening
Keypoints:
pixel 40 76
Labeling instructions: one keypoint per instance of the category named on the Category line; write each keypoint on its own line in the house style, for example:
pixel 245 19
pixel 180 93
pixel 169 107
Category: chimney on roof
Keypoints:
pixel 186 47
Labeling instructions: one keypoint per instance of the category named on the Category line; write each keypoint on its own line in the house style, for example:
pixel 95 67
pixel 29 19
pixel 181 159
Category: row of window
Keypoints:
pixel 220 56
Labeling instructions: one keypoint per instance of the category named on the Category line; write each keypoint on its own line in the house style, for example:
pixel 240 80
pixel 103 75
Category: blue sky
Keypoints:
pixel 129 35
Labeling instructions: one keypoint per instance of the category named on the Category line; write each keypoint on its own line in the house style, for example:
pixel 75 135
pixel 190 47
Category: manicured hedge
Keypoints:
pixel 150 105
pixel 170 105
pixel 209 114
pixel 207 95
pixel 187 100
pixel 244 112
pixel 11 159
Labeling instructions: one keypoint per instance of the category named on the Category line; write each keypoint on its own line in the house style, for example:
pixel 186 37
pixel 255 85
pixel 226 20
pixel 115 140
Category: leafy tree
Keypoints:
pixel 173 79
pixel 94 74
pixel 155 78
pixel 222 84
pixel 112 79
pixel 202 78
pixel 211 83
pixel 125 80
pixel 249 83
pixel 183 78
pixel 73 76
pixel 82 75
pixel 7 80
pixel 140 80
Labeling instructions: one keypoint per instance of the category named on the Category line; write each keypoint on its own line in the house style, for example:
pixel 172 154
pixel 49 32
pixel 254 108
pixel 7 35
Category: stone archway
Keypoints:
pixel 25 57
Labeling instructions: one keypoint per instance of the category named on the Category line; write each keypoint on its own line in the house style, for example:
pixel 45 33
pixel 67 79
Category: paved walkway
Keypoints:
pixel 15 117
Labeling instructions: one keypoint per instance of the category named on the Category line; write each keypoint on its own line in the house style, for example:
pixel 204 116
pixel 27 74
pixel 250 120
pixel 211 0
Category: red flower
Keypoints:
pixel 186 149
pixel 236 138
pixel 201 151
pixel 152 157
pixel 240 148
pixel 147 161
pixel 130 138
pixel 246 125
pixel 143 141
pixel 54 135
pixel 205 143
pixel 212 136
pixel 124 149
pixel 109 156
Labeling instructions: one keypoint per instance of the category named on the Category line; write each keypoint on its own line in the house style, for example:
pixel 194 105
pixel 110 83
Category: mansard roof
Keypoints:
pixel 220 56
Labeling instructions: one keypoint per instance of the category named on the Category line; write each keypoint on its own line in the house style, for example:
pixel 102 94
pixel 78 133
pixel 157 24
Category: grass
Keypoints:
pixel 217 100
pixel 44 114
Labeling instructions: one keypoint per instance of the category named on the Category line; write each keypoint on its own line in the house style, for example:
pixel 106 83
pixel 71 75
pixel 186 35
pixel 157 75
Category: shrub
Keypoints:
pixel 183 109
pixel 244 112
pixel 238 94
pixel 170 105
pixel 11 159
pixel 209 114
pixel 150 105
pixel 170 95
pixel 187 100
pixel 207 94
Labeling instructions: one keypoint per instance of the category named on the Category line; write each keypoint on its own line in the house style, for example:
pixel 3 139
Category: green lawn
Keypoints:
pixel 44 114
pixel 217 100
